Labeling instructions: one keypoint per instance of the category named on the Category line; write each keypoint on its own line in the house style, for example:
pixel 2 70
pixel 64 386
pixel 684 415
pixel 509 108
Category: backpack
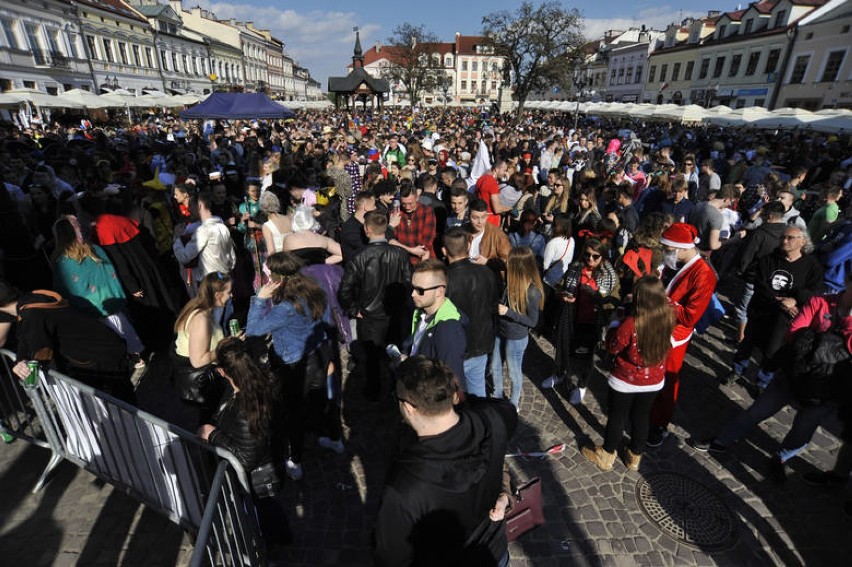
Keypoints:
pixel 821 363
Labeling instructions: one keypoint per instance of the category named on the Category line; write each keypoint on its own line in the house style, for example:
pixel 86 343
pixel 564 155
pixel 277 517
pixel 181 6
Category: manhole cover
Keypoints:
pixel 686 511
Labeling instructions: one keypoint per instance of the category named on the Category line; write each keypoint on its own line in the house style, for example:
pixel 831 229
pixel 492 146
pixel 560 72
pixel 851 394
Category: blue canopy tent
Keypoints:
pixel 231 106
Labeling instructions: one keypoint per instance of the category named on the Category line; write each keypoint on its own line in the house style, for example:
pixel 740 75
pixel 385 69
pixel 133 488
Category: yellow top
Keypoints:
pixel 182 341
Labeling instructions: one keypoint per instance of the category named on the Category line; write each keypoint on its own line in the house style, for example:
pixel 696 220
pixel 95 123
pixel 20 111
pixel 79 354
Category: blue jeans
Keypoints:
pixel 514 358
pixel 741 305
pixel 474 375
pixel 776 397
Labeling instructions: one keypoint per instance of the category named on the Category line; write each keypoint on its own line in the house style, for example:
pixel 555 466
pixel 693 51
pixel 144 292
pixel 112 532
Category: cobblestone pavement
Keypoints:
pixel 592 518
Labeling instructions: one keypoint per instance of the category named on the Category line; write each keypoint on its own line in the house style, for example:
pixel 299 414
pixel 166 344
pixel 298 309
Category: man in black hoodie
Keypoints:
pixel 444 496
pixel 760 242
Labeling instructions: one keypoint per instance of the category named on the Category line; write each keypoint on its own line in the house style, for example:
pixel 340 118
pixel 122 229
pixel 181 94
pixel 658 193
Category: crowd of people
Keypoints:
pixel 415 254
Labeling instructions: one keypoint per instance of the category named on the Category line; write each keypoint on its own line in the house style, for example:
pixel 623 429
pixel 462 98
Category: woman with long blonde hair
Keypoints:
pixel 198 335
pixel 84 275
pixel 519 311
pixel 639 346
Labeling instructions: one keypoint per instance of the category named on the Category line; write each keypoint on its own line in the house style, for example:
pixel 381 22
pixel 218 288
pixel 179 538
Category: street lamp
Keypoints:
pixel 578 78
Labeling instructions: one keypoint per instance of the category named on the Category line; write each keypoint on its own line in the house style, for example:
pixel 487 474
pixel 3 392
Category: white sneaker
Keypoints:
pixel 336 446
pixel 294 470
pixel 577 395
pixel 552 381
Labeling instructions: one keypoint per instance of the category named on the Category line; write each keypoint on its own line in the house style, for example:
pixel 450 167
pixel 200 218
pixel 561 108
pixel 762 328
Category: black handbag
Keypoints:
pixel 265 481
pixel 526 512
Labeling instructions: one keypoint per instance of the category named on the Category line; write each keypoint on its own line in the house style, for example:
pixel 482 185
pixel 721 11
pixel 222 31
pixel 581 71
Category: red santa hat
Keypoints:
pixel 680 235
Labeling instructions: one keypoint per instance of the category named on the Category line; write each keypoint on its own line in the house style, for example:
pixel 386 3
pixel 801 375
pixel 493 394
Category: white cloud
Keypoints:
pixel 655 18
pixel 319 40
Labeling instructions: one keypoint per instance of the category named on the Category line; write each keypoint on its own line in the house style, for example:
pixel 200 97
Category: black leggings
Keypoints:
pixel 637 406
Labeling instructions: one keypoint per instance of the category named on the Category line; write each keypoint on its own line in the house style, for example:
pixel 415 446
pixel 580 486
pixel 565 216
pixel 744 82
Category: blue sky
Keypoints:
pixel 318 33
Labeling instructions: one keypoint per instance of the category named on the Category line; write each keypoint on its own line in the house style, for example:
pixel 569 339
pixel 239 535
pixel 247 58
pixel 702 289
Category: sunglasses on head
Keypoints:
pixel 422 290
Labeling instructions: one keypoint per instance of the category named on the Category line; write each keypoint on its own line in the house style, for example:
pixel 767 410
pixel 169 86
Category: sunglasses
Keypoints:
pixel 590 256
pixel 688 163
pixel 558 185
pixel 422 290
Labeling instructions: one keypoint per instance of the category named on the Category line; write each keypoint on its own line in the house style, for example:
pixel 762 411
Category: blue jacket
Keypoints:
pixel 294 335
pixel 444 338
pixel 835 255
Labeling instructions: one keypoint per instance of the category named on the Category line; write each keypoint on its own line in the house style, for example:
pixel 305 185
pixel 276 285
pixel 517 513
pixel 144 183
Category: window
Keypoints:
pixel 8 25
pixel 474 66
pixel 29 85
pixel 137 58
pixel 448 61
pixel 809 35
pixel 772 60
pixel 832 66
pixel 122 52
pixel 53 42
pixel 781 18
pixel 175 67
pixel 652 73
pixel 107 50
pixel 687 74
pixel 185 64
pixel 705 67
pixel 748 25
pixel 721 32
pixel 464 85
pixel 800 67
pixel 735 65
pixel 149 57
pixel 464 65
pixel 72 47
pixel 675 72
pixel 753 60
pixel 483 86
pixel 612 77
pixel 164 60
pixel 664 70
pixel 629 78
pixel 195 65
pixel 93 47
pixel 639 74
pixel 717 69
pixel 31 32
pixel 845 29
pixel 620 75
pixel 493 85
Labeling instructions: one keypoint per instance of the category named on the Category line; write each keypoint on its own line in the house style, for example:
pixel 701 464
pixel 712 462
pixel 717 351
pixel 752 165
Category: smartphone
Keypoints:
pixel 215 175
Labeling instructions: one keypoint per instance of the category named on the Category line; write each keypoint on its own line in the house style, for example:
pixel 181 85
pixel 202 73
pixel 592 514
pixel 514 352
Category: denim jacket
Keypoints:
pixel 294 335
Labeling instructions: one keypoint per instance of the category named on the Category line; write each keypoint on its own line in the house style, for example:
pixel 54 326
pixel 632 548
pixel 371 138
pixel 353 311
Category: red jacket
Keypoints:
pixel 628 365
pixel 690 291
pixel 819 314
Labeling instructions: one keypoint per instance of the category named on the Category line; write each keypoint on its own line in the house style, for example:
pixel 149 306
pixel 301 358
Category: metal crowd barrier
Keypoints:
pixel 203 489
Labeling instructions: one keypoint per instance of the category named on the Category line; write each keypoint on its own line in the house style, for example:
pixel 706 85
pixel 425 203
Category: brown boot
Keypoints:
pixel 631 460
pixel 599 457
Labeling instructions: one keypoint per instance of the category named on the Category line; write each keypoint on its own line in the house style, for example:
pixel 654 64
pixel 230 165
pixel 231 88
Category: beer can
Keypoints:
pixel 234 327
pixel 32 377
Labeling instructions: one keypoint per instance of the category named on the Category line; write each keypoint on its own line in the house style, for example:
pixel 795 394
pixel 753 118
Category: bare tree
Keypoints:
pixel 538 42
pixel 409 52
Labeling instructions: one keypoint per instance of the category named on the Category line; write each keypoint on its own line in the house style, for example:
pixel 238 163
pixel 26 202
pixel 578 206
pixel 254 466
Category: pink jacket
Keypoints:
pixel 819 313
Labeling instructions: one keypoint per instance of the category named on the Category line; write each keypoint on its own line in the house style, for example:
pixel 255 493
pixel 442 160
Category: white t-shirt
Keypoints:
pixel 474 244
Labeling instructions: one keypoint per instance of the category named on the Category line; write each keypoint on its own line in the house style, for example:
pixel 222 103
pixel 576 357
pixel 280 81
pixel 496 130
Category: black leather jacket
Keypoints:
pixel 475 291
pixel 232 433
pixel 377 281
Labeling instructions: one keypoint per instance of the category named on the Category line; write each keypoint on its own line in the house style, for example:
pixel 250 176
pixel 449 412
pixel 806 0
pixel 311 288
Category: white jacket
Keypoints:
pixel 211 243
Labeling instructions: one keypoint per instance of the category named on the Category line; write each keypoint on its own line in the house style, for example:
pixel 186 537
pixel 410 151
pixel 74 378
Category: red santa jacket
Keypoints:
pixel 690 291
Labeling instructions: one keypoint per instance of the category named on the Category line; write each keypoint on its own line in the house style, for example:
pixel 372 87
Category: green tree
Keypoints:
pixel 539 44
pixel 409 52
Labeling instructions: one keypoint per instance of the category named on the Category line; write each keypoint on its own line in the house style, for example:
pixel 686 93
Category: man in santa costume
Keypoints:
pixel 690 282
